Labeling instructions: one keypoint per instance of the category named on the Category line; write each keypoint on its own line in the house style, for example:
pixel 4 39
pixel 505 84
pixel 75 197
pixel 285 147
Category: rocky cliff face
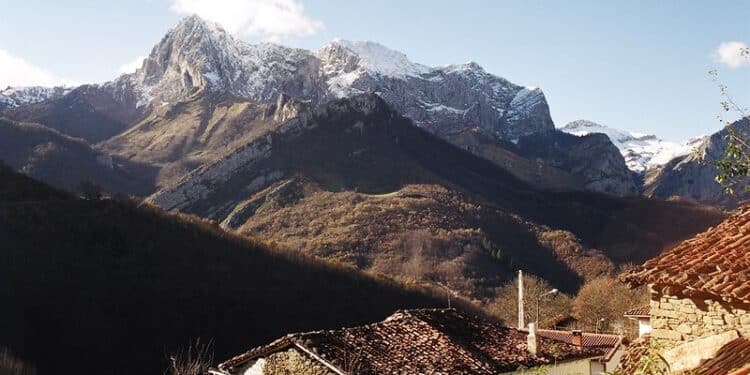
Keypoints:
pixel 692 176
pixel 592 158
pixel 442 100
pixel 642 152
pixel 198 60
pixel 200 56
pixel 13 97
pixel 91 112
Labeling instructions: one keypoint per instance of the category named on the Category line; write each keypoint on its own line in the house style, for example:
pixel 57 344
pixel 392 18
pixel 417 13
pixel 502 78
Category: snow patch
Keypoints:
pixel 641 151
pixel 378 59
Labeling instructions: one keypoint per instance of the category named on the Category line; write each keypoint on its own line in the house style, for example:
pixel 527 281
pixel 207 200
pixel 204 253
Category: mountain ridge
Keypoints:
pixel 397 179
pixel 642 152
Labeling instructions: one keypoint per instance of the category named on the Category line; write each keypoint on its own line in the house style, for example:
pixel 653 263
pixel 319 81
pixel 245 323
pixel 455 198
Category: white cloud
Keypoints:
pixel 16 71
pixel 271 19
pixel 732 54
pixel 131 66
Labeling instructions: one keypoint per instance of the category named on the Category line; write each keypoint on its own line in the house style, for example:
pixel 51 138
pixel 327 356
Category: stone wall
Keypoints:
pixel 678 319
pixel 293 362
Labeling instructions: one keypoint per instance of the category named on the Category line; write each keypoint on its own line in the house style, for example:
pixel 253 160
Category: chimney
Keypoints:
pixel 521 320
pixel 577 338
pixel 531 340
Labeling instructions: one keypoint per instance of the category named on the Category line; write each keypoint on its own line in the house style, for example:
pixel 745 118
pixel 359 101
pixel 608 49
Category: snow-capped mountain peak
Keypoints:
pixel 376 58
pixel 197 57
pixel 12 97
pixel 641 151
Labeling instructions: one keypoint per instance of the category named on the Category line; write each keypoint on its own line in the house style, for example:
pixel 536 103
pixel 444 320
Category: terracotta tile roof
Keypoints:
pixel 643 311
pixel 732 357
pixel 715 262
pixel 591 340
pixel 434 341
pixel 609 343
pixel 630 361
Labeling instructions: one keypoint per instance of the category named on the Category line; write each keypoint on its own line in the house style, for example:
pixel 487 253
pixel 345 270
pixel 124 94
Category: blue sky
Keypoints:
pixel 635 65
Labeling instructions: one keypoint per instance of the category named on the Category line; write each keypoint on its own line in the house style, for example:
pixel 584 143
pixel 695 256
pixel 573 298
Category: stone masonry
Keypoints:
pixel 679 319
pixel 293 362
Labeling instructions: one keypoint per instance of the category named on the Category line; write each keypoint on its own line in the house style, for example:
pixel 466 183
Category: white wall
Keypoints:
pixel 644 326
pixel 579 367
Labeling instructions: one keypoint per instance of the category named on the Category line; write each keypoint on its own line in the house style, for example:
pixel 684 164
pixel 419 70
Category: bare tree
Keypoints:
pixel 600 304
pixel 551 306
pixel 196 359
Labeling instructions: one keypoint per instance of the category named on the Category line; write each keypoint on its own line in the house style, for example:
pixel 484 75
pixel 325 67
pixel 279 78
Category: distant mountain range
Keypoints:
pixel 355 154
pixel 642 152
pixel 13 97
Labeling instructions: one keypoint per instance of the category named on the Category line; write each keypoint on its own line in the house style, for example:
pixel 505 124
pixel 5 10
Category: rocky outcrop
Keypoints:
pixel 13 97
pixel 199 61
pixel 442 100
pixel 91 112
pixel 693 176
pixel 592 158
pixel 200 56
pixel 642 152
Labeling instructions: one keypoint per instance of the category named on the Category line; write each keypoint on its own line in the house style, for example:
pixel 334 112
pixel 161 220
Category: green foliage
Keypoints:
pixel 650 363
pixel 495 251
pixel 734 166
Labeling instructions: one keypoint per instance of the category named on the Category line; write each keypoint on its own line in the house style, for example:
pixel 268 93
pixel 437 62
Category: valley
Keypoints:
pixel 236 192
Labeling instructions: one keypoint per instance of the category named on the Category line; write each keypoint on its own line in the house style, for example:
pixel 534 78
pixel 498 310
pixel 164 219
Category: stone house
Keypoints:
pixel 423 341
pixel 700 292
pixel 609 361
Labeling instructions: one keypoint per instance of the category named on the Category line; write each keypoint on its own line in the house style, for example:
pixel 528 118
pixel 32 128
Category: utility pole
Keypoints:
pixel 521 323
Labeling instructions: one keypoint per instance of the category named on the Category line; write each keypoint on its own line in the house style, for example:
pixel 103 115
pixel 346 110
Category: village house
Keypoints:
pixel 428 341
pixel 609 361
pixel 643 316
pixel 700 297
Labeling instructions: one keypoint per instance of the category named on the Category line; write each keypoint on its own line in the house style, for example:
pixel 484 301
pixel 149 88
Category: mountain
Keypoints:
pixel 198 60
pixel 178 138
pixel 197 55
pixel 642 152
pixel 592 159
pixel 91 112
pixel 85 281
pixel 356 182
pixel 692 176
pixel 63 161
pixel 13 97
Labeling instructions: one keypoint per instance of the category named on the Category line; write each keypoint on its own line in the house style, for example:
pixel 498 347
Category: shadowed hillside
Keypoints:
pixel 109 286
pixel 353 180
pixel 50 156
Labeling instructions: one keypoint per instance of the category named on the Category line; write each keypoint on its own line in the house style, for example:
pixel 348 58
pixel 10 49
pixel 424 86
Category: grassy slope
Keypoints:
pixel 108 286
pixel 385 153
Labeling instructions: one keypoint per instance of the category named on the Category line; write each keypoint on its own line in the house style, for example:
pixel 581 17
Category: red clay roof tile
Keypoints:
pixel 434 341
pixel 643 311
pixel 733 356
pixel 713 262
